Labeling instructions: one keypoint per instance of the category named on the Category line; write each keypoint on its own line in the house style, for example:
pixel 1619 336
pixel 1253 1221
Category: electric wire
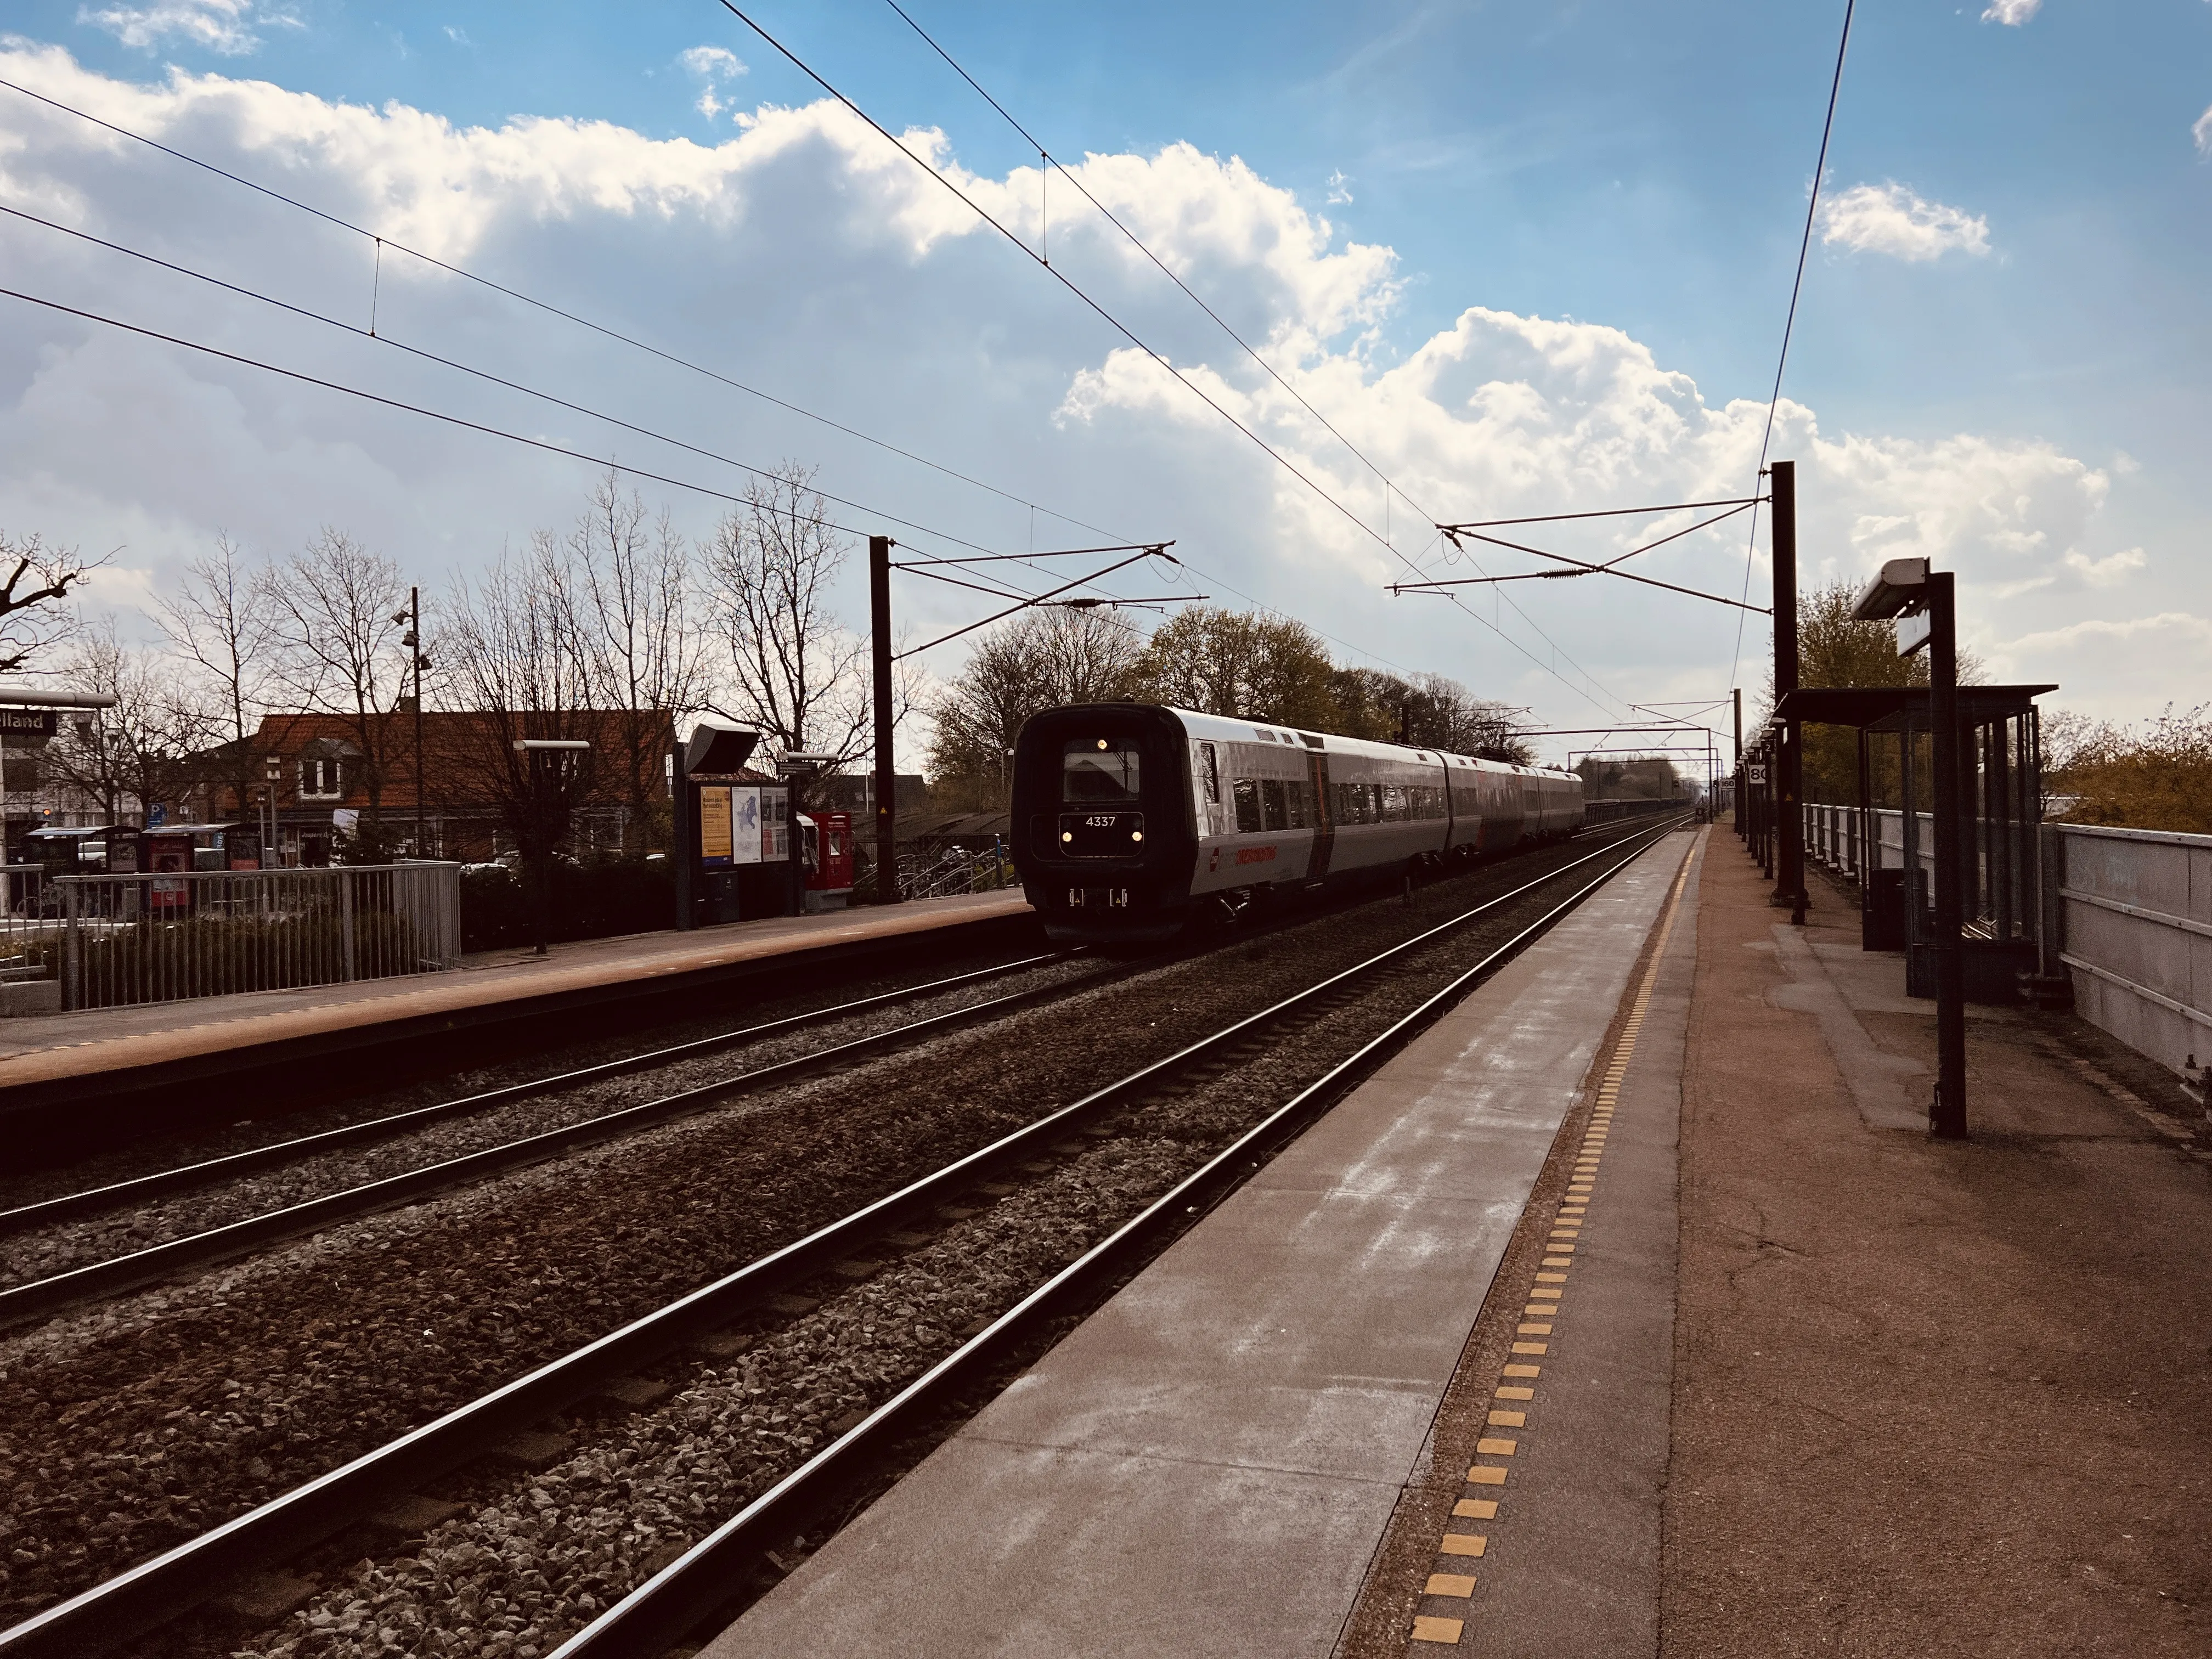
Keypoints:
pixel 1129 335
pixel 531 300
pixel 1390 485
pixel 382 242
pixel 484 374
pixel 302 376
pixel 1789 322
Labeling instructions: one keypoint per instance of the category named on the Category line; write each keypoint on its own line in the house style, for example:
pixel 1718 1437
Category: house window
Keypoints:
pixel 319 780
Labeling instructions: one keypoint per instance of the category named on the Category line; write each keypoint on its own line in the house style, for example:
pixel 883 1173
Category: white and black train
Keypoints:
pixel 1131 821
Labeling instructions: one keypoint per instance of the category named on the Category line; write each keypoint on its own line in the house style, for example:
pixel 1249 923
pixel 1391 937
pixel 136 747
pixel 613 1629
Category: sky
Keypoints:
pixel 1515 259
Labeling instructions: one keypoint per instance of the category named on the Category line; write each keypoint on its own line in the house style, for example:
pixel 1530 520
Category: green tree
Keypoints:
pixel 1239 663
pixel 1836 649
pixel 1039 658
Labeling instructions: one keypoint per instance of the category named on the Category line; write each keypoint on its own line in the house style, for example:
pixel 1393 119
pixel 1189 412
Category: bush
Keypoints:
pixel 2156 776
pixel 588 901
pixel 158 960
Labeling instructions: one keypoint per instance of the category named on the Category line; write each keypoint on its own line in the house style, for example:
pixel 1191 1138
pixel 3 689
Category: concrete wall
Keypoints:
pixel 2137 939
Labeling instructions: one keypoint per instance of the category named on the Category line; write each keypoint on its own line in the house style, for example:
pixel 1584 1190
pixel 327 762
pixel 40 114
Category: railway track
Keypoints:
pixel 123 1608
pixel 42 1297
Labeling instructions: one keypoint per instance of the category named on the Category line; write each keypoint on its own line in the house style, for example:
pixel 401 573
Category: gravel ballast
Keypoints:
pixel 133 1426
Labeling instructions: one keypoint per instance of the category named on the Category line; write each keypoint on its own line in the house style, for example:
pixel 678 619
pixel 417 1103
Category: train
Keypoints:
pixel 1133 823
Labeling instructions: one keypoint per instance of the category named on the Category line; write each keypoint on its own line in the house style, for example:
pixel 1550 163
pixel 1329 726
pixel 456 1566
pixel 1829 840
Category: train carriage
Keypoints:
pixel 1132 820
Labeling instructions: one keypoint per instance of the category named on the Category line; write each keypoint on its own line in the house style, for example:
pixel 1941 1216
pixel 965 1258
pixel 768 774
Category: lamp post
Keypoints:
pixel 539 754
pixel 272 773
pixel 1923 604
pixel 411 620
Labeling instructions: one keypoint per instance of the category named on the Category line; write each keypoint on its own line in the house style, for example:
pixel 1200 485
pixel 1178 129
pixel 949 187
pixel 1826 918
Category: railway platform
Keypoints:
pixel 1629 1310
pixel 152 1054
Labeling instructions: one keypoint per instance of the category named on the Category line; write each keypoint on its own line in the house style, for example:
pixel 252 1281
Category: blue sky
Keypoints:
pixel 1614 166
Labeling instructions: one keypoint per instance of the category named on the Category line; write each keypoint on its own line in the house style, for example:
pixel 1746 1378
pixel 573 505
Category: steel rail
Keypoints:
pixel 139 1189
pixel 667 1606
pixel 102 1618
pixel 43 1298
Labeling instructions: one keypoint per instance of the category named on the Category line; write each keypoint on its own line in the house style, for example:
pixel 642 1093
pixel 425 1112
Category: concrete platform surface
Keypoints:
pixel 1206 1465
pixel 47 1049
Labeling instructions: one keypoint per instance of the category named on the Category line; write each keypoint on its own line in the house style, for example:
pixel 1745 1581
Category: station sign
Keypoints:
pixel 1756 772
pixel 1913 631
pixel 28 722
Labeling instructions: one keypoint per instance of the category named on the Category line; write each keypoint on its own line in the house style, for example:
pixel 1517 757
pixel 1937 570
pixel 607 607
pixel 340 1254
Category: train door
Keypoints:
pixel 1324 823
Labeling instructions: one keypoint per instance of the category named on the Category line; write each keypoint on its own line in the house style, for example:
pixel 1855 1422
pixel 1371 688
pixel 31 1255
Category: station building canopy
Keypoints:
pixel 1890 707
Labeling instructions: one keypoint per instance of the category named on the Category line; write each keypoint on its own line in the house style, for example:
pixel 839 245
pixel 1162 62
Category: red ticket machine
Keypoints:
pixel 830 872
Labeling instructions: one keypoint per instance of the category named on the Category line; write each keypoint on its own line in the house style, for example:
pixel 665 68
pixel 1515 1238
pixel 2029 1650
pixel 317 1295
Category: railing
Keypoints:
pixel 23 927
pixel 2137 937
pixel 121 940
pixel 956 870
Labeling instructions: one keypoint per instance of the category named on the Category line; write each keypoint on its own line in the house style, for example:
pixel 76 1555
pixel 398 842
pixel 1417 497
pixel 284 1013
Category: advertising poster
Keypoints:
pixel 745 826
pixel 775 827
pixel 714 825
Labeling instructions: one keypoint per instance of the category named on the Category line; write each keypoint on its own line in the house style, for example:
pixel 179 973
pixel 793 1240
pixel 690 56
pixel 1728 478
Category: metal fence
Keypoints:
pixel 956 870
pixel 118 940
pixel 2137 910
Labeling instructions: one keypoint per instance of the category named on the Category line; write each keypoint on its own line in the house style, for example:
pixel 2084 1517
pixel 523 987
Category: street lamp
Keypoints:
pixel 1923 604
pixel 537 753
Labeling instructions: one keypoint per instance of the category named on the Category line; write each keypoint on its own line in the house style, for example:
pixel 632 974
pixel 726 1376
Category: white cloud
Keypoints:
pixel 2202 133
pixel 2112 568
pixel 803 254
pixel 1340 189
pixel 1890 219
pixel 715 65
pixel 230 26
pixel 2011 13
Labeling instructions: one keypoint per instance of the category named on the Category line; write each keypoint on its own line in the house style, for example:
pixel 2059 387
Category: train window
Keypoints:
pixel 1099 769
pixel 1271 801
pixel 1393 803
pixel 1298 803
pixel 1209 772
pixel 1248 807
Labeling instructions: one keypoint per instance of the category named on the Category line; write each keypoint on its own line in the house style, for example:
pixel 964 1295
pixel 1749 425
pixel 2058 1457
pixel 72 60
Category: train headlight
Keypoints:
pixel 1068 834
pixel 1136 834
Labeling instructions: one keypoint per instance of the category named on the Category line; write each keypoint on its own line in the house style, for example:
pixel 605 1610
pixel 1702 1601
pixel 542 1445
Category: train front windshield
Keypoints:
pixel 1099 771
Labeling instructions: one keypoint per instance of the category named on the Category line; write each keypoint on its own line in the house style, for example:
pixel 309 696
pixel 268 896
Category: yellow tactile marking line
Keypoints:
pixel 1518 1379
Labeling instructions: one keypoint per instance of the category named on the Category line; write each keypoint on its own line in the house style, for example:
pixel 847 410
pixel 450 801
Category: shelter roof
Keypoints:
pixel 1882 705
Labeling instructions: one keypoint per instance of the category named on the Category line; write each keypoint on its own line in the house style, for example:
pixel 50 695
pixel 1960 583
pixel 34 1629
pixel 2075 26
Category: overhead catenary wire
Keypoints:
pixel 1790 320
pixel 521 297
pixel 486 375
pixel 531 300
pixel 545 445
pixel 1122 328
pixel 381 241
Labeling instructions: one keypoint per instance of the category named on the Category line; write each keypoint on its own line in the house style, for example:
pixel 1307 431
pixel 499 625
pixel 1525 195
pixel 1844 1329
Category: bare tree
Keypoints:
pixel 139 754
pixel 516 659
pixel 219 621
pixel 1038 660
pixel 631 576
pixel 336 612
pixel 38 579
pixel 793 670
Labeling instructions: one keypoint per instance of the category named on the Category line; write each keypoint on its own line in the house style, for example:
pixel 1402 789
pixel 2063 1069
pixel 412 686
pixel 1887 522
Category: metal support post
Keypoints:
pixel 1737 805
pixel 684 815
pixel 879 627
pixel 1789 752
pixel 1947 1114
